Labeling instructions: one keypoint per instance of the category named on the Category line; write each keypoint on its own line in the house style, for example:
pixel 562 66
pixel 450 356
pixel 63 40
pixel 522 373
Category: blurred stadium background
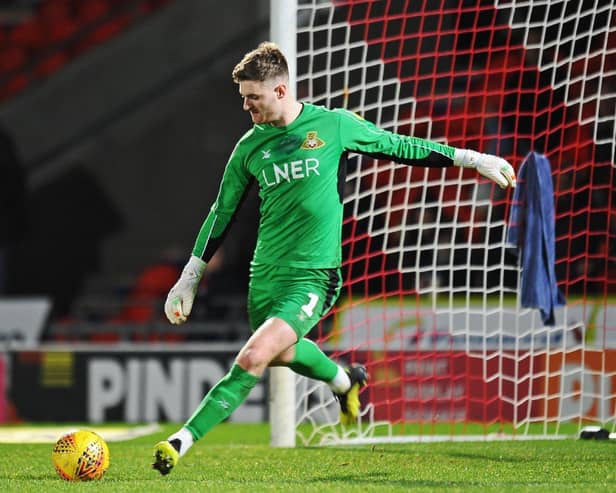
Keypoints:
pixel 117 118
pixel 116 121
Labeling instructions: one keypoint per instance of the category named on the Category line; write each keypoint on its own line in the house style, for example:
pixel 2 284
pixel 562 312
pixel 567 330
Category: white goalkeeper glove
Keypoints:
pixel 493 167
pixel 182 295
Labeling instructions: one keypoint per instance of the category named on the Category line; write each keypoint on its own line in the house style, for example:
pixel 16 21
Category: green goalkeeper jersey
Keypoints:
pixel 300 173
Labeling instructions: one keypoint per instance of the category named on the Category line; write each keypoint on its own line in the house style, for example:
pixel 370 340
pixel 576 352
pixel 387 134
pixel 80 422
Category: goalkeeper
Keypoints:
pixel 296 153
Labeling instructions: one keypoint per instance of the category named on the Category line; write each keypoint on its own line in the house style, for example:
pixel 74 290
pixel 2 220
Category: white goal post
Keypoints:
pixel 283 14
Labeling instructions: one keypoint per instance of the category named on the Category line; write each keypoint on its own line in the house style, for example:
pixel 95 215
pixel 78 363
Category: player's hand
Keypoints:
pixel 182 295
pixel 493 167
pixel 497 169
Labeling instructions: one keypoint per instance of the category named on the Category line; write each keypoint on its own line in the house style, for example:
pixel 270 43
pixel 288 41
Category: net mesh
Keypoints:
pixel 431 298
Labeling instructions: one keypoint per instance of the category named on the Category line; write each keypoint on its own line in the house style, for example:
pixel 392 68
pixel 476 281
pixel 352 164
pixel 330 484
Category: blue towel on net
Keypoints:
pixel 531 229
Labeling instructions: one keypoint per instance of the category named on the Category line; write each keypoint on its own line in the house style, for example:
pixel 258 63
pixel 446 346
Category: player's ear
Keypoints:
pixel 280 90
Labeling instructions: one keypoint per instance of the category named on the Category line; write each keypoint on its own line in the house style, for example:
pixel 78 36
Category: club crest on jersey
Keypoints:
pixel 312 141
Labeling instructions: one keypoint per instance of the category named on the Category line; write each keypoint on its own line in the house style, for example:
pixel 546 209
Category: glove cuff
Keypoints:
pixel 194 268
pixel 466 158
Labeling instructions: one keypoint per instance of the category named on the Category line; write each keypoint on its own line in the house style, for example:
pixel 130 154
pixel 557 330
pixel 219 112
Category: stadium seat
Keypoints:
pixel 54 11
pixel 51 64
pixel 92 11
pixel 102 33
pixel 96 17
pixel 57 32
pixel 12 58
pixel 57 20
pixel 28 34
pixel 63 29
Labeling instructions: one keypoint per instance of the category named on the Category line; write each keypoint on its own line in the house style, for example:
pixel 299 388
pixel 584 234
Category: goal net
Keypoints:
pixel 432 301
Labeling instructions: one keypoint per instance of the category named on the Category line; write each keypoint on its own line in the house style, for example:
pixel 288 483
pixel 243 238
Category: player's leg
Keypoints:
pixel 307 359
pixel 273 337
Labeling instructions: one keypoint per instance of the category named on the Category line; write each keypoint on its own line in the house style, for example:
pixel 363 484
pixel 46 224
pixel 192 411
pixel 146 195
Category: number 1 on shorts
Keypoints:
pixel 308 308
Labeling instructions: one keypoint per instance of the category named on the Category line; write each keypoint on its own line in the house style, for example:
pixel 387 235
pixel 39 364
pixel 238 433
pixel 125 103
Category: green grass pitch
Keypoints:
pixel 237 458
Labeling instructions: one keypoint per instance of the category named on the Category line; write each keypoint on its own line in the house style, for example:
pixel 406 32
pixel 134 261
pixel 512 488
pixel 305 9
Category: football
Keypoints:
pixel 80 456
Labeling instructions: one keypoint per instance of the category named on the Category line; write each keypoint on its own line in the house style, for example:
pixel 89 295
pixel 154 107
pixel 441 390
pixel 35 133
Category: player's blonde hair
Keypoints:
pixel 263 63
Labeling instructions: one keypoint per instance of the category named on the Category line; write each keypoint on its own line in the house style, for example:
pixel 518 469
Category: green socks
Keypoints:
pixel 227 395
pixel 311 362
pixel 222 399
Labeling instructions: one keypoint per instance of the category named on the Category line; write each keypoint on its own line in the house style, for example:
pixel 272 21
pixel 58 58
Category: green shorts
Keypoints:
pixel 300 297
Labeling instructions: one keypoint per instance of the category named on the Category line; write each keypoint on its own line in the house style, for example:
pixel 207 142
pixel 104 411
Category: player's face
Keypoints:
pixel 262 100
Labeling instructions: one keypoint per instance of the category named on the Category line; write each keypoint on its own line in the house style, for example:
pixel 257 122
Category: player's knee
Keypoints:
pixel 253 360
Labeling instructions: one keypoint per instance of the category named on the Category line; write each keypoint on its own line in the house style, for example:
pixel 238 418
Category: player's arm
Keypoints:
pixel 361 136
pixel 235 183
